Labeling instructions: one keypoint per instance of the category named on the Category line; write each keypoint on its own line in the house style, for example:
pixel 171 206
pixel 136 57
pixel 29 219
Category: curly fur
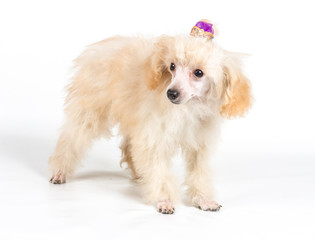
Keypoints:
pixel 123 81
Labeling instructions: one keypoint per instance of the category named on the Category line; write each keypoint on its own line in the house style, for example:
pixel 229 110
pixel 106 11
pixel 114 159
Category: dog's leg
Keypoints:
pixel 76 137
pixel 198 180
pixel 69 149
pixel 158 183
pixel 127 158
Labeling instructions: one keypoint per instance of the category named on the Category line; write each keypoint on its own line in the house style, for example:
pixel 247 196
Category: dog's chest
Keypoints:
pixel 176 127
pixel 181 127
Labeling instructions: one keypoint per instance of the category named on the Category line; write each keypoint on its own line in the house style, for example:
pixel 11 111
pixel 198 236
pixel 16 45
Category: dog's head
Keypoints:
pixel 195 69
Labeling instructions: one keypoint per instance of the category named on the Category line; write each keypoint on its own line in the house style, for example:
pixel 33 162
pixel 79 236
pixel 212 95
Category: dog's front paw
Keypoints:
pixel 58 178
pixel 206 204
pixel 165 207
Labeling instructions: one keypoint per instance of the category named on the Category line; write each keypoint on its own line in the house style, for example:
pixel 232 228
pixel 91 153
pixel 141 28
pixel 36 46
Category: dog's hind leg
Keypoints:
pixel 76 137
pixel 127 158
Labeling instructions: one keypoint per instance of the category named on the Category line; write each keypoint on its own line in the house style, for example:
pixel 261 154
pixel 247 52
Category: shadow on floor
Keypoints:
pixel 34 152
pixel 112 179
pixel 106 175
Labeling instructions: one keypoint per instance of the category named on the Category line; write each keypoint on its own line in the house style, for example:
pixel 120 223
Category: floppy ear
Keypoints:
pixel 237 95
pixel 157 73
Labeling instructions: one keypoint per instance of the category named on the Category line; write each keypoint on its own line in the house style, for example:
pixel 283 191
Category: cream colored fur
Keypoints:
pixel 123 81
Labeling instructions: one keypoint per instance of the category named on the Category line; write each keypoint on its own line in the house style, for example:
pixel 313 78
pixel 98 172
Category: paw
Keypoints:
pixel 165 207
pixel 205 204
pixel 58 178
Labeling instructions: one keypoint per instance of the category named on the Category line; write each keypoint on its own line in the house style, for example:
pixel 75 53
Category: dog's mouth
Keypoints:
pixel 175 101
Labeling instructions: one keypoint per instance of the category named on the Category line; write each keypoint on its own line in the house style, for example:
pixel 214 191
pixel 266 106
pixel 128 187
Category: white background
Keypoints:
pixel 264 169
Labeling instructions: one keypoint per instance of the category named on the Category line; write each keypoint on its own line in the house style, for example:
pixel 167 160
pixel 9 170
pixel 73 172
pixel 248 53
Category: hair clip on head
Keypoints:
pixel 204 29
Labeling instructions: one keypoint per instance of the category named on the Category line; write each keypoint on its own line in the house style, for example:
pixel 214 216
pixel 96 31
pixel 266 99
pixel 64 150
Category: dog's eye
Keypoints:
pixel 198 73
pixel 172 67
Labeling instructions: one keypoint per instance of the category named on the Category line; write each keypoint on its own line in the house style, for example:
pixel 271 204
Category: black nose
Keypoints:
pixel 172 94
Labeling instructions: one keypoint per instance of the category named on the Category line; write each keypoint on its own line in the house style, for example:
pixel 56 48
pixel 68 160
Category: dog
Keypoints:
pixel 165 93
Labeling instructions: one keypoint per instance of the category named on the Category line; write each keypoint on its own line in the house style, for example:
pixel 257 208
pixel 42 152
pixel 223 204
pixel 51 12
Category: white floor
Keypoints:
pixel 263 196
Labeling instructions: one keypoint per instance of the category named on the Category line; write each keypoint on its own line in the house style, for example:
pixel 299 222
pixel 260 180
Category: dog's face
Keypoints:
pixel 195 69
pixel 187 83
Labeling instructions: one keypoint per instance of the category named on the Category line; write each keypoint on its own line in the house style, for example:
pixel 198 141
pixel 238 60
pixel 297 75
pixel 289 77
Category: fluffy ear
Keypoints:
pixel 237 95
pixel 157 73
